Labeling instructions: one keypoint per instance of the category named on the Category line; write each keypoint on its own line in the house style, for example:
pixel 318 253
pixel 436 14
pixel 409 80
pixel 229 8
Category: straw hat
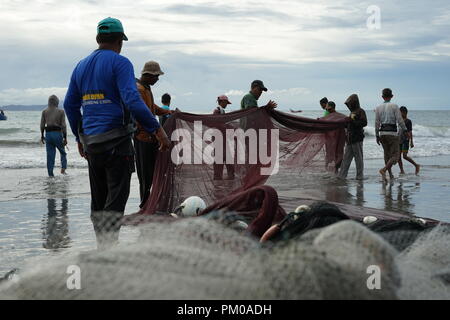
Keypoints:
pixel 152 67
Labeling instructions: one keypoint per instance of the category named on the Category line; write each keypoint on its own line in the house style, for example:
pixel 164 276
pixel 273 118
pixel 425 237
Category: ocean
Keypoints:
pixel 42 216
pixel 20 146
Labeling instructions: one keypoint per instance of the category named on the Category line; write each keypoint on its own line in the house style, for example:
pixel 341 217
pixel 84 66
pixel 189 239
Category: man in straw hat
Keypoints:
pixel 145 143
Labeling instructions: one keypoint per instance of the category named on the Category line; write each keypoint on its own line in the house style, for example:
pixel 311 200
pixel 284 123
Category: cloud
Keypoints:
pixel 315 48
pixel 234 93
pixel 227 12
pixel 31 96
pixel 290 91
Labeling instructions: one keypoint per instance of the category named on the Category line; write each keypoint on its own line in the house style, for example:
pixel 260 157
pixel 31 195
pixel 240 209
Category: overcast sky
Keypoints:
pixel 302 50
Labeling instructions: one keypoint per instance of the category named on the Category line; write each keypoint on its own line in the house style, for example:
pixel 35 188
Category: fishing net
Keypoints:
pixel 205 258
pixel 250 147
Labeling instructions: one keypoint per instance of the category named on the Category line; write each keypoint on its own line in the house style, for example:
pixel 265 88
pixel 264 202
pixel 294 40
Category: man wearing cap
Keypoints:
pixel 146 143
pixel 250 100
pixel 223 102
pixel 103 84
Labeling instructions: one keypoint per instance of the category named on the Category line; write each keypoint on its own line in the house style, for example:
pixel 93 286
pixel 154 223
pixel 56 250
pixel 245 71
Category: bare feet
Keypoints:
pixel 383 174
pixel 417 169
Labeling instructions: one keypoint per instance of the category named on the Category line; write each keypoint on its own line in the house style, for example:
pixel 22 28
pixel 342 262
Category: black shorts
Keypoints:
pixel 404 146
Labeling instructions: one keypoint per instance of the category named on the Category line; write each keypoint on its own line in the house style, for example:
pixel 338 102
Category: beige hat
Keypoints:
pixel 152 67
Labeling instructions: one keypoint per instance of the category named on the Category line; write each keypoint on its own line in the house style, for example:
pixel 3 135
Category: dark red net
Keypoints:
pixel 296 142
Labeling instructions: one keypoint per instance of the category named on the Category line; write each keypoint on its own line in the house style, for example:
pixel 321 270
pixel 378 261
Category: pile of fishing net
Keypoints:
pixel 317 253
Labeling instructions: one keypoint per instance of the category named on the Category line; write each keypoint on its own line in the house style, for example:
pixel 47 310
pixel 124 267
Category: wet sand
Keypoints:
pixel 42 216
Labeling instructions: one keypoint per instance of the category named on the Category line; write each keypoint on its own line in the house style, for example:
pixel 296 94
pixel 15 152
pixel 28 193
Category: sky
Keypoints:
pixel 302 50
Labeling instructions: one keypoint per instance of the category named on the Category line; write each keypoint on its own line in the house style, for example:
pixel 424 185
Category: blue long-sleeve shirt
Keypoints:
pixel 100 84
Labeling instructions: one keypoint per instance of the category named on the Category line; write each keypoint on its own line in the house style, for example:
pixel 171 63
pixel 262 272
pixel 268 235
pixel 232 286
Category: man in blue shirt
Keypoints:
pixel 103 85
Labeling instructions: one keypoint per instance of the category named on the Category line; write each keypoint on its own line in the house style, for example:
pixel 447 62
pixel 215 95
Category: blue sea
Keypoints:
pixel 20 146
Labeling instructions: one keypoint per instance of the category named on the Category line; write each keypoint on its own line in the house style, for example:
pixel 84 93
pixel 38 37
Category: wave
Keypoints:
pixel 9 130
pixel 18 143
pixel 40 166
pixel 419 131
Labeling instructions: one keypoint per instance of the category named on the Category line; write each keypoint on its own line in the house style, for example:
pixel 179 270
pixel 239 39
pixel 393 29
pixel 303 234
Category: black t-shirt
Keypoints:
pixel 403 136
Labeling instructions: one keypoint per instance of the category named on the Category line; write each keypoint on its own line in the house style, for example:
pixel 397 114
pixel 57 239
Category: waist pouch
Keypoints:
pixel 52 128
pixel 103 142
pixel 388 127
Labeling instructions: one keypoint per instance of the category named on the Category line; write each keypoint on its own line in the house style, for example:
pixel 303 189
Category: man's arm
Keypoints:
pixel 160 111
pixel 377 125
pixel 409 126
pixel 361 122
pixel 42 127
pixel 72 106
pixel 130 96
pixel 63 126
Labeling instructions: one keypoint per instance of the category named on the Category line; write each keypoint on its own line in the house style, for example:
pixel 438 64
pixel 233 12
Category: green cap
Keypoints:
pixel 110 25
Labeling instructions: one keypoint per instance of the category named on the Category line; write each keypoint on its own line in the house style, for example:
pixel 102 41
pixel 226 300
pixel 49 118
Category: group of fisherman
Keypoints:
pixel 113 100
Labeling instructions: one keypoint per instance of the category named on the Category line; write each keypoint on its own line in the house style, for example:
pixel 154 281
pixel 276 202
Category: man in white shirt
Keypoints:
pixel 387 117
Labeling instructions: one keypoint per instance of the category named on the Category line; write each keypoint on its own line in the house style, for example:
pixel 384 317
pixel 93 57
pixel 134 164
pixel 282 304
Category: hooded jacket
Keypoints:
pixel 355 131
pixel 53 118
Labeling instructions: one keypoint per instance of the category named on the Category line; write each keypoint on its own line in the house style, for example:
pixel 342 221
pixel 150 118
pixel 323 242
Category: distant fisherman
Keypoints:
pixel 387 117
pixel 53 122
pixel 250 100
pixel 222 103
pixel 355 137
pixel 103 84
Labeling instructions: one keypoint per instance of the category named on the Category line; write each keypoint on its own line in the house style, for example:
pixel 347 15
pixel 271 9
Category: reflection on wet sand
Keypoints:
pixel 397 196
pixel 345 192
pixel 55 225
